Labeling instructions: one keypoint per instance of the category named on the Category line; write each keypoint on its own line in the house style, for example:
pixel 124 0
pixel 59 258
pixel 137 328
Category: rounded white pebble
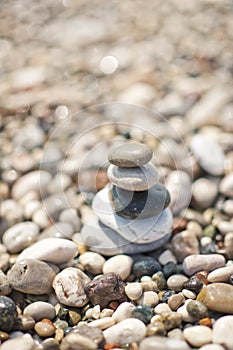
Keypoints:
pixel 162 343
pixel 108 64
pixel 149 298
pixel 120 264
pixel 20 236
pixel 212 347
pixel 54 250
pixel 198 335
pixel 222 332
pixel 69 287
pixel 92 262
pixel 221 275
pixel 123 312
pixel 203 149
pixel 162 308
pixel 127 331
pixel 133 290
pixel 102 323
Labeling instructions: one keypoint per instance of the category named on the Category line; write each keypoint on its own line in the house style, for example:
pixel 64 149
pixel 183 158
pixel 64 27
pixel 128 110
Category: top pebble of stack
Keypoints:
pixel 134 155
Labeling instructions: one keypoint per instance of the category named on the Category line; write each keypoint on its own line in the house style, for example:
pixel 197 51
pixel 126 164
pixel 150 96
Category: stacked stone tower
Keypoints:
pixel 131 212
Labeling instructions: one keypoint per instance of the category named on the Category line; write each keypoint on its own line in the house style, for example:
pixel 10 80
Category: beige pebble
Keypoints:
pixel 39 310
pixel 24 342
pixel 54 250
pixel 96 312
pixel 77 341
pixel 212 347
pixel 37 180
pixel 222 331
pixel 120 264
pixel 127 331
pixel 92 262
pixel 133 290
pixel 162 343
pixel 175 301
pixel 148 298
pixel 198 335
pixel 123 312
pixel 106 313
pixel 176 333
pixel 198 262
pixel 204 192
pixel 221 275
pixel 188 294
pixel 217 297
pixel 226 185
pixel 69 287
pixel 175 282
pixel 102 323
pixel 162 308
pixel 44 329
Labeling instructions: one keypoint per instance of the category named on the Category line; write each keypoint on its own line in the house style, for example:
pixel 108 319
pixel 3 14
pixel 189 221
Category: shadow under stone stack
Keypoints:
pixel 131 213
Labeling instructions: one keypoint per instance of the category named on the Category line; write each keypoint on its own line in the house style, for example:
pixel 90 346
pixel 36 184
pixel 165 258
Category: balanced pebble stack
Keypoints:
pixel 131 213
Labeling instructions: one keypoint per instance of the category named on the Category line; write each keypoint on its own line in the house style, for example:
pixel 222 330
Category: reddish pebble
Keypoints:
pixel 202 276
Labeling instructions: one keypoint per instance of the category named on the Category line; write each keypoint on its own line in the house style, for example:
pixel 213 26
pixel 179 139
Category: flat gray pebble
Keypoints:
pixel 31 276
pixel 208 262
pixel 39 310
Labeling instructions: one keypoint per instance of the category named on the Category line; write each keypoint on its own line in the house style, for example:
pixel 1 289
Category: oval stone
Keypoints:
pixel 39 310
pixel 24 342
pixel 139 230
pixel 133 179
pixel 20 236
pixel 120 264
pixel 198 335
pixel 126 331
pixel 217 297
pixel 31 276
pixel 226 185
pixel 129 155
pixel 69 287
pixel 131 204
pixel 158 343
pixel 203 149
pixel 222 331
pixel 221 275
pixel 197 262
pixel 8 313
pixel 37 180
pixel 53 250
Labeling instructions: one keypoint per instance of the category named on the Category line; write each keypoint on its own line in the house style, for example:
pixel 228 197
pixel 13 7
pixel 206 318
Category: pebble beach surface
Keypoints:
pixel 156 273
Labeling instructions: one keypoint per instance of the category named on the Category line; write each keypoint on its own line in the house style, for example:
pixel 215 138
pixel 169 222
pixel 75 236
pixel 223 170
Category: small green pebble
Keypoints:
pixel 160 280
pixel 209 231
pixel 197 309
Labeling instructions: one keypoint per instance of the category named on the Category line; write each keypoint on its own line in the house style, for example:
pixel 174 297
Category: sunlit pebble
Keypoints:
pixel 62 112
pixel 108 64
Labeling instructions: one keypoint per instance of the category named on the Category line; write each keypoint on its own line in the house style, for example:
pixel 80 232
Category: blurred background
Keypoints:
pixel 58 57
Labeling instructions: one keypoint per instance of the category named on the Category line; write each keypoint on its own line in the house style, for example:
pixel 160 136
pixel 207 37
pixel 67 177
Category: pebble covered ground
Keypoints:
pixel 78 77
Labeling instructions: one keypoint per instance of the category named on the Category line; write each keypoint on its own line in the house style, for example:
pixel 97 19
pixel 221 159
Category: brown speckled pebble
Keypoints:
pixel 105 289
pixel 31 276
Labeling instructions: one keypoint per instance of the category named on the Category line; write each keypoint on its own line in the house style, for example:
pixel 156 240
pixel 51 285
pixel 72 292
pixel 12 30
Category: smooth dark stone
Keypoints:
pixel 143 313
pixel 145 266
pixel 169 269
pixel 193 284
pixel 8 313
pixel 147 203
pixel 130 155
